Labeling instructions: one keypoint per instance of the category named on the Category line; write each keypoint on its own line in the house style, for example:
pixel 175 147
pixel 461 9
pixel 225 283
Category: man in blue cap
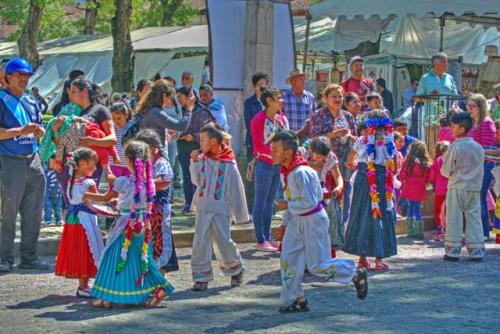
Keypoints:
pixel 22 181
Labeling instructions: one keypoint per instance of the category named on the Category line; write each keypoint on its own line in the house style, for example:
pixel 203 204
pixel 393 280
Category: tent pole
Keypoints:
pixel 306 43
pixel 441 32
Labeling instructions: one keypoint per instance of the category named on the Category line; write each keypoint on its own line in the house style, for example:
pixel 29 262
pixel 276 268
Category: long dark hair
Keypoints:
pixel 155 96
pixel 80 154
pixel 93 89
pixel 418 150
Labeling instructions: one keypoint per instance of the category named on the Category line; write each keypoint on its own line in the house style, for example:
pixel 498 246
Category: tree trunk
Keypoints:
pixel 123 66
pixel 90 16
pixel 169 7
pixel 27 42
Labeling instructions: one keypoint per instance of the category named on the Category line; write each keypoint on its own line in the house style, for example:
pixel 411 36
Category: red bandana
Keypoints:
pixel 225 155
pixel 296 162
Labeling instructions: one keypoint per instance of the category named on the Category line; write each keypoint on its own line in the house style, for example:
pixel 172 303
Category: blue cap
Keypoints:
pixel 18 65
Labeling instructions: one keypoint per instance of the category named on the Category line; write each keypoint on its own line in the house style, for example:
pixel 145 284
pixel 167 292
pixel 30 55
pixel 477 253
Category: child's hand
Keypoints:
pixel 282 205
pixel 85 198
pixel 110 177
pixel 117 160
pixel 337 191
pixel 351 165
pixel 195 156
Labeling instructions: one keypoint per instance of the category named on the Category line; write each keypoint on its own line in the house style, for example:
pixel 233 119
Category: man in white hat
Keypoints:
pixel 358 83
pixel 298 102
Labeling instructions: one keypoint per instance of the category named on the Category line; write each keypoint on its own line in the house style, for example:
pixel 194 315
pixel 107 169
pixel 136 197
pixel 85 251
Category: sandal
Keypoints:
pixel 361 283
pixel 296 306
pixel 364 264
pixel 200 286
pixel 102 303
pixel 381 267
pixel 156 298
pixel 237 280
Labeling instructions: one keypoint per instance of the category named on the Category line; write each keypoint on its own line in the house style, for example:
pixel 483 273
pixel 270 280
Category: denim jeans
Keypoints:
pixel 487 178
pixel 184 156
pixel 53 203
pixel 414 210
pixel 267 180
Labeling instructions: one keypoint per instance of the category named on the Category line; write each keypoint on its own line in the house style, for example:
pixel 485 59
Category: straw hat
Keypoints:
pixel 295 73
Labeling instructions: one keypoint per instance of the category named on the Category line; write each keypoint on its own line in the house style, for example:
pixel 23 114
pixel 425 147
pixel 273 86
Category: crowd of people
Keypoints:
pixel 342 169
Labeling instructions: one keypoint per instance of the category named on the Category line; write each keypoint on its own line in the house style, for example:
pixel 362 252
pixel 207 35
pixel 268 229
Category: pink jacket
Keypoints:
pixel 445 134
pixel 414 185
pixel 436 178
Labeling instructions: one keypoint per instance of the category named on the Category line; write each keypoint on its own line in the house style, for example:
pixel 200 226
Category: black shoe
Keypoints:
pixel 35 264
pixel 451 258
pixel 5 266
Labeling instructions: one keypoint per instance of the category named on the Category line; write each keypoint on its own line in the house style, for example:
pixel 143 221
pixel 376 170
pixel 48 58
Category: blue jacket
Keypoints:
pixel 16 112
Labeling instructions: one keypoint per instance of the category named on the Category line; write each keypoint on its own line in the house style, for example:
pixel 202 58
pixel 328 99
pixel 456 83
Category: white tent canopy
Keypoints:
pixel 156 50
pixel 409 36
pixel 385 8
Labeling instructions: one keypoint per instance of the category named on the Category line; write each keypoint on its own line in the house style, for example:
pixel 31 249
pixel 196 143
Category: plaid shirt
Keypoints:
pixel 297 109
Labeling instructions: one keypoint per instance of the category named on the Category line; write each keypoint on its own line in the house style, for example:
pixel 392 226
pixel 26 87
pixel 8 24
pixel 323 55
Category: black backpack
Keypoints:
pixel 132 128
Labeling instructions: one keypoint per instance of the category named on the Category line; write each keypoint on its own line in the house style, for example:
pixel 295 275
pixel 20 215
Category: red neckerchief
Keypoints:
pixel 225 155
pixel 296 162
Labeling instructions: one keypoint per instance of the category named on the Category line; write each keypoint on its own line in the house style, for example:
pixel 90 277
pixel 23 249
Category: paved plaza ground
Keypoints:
pixel 420 294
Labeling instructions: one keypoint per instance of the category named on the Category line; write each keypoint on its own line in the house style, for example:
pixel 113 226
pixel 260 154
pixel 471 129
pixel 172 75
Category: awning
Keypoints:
pixel 385 8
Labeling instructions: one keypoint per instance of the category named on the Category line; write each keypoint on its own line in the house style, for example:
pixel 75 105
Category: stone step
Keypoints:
pixel 241 234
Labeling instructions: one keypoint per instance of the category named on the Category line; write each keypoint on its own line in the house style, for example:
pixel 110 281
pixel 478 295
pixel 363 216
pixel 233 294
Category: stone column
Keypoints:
pixel 259 34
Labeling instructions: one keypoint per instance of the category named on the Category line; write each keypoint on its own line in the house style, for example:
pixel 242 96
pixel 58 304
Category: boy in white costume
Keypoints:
pixel 306 242
pixel 219 195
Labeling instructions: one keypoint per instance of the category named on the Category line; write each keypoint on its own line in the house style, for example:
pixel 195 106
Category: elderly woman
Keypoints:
pixel 484 133
pixel 340 127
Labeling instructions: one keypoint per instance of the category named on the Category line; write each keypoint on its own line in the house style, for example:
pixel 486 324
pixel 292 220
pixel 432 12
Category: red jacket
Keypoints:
pixel 413 187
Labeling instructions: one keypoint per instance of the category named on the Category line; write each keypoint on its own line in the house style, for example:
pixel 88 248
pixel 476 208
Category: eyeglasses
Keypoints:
pixel 471 105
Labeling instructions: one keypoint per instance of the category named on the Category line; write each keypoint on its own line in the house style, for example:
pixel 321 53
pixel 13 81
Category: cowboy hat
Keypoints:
pixel 295 73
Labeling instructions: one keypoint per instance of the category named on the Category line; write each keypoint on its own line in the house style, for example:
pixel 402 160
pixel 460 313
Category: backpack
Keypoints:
pixel 132 128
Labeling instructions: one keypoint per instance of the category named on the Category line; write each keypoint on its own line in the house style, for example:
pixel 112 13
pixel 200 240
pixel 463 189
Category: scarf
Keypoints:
pixel 225 155
pixel 296 162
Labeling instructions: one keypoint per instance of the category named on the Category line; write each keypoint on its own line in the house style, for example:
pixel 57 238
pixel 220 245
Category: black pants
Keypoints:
pixel 184 150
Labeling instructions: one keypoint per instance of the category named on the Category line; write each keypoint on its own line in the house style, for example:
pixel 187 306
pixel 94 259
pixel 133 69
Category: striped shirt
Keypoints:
pixel 119 148
pixel 485 135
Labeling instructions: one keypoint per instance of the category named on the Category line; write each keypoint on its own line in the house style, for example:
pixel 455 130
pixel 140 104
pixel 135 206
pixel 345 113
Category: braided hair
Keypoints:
pixel 152 139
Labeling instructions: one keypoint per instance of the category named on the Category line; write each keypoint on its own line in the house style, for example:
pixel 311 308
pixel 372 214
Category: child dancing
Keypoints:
pixel 414 177
pixel 219 195
pixel 306 242
pixel 463 166
pixel 370 231
pixel 163 242
pixel 128 273
pixel 81 244
pixel 440 184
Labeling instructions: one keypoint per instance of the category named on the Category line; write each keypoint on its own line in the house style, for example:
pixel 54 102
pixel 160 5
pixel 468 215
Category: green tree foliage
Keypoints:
pixel 145 13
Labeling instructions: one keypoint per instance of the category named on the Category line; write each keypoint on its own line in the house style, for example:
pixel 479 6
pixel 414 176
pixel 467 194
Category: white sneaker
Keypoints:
pixel 83 293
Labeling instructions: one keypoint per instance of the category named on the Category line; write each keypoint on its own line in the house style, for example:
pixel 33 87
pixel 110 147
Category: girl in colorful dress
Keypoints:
pixel 163 244
pixel 440 184
pixel 370 231
pixel 128 273
pixel 81 244
pixel 414 177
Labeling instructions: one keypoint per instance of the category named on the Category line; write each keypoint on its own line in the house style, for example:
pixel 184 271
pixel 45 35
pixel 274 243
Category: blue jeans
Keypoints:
pixel 267 180
pixel 53 202
pixel 414 210
pixel 184 156
pixel 487 178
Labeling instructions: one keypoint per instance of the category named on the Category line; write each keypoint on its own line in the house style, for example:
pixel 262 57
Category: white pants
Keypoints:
pixel 306 243
pixel 213 228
